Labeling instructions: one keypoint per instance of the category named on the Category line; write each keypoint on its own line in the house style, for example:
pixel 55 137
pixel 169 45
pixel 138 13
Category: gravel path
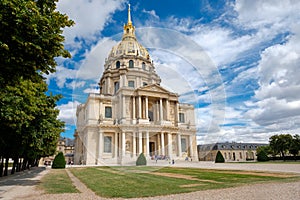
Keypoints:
pixel 23 185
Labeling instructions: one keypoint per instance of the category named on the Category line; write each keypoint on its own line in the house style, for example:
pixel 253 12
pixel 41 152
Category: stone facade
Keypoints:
pixel 132 114
pixel 231 151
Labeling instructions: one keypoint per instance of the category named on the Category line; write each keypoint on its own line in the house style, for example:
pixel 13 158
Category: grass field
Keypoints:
pixel 57 181
pixel 129 182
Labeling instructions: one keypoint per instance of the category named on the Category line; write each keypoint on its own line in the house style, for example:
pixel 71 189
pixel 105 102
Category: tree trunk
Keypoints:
pixel 20 165
pixel 1 166
pixel 24 164
pixel 13 167
pixel 283 157
pixel 6 166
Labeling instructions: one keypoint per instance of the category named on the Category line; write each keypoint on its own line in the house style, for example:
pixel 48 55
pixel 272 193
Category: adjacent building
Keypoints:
pixel 132 113
pixel 64 145
pixel 231 151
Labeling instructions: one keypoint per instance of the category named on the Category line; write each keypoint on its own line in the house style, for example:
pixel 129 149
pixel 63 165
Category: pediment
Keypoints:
pixel 155 88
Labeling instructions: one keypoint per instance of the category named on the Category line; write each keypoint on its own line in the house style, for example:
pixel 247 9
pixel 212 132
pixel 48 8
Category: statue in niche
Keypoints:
pixel 127 146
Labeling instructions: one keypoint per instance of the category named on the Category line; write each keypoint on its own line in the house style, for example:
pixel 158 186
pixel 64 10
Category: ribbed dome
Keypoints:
pixel 129 46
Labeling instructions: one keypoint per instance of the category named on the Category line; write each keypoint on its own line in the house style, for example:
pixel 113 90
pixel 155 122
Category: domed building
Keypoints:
pixel 133 114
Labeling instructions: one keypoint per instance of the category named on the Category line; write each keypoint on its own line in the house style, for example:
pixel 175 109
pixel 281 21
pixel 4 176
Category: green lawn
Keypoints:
pixel 129 182
pixel 268 162
pixel 57 181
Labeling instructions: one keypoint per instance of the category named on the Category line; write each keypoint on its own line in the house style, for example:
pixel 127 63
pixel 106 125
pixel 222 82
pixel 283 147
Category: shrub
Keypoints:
pixel 59 161
pixel 219 158
pixel 141 160
pixel 262 156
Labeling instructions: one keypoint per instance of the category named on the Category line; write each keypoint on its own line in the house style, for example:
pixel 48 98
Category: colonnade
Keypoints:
pixel 140 143
pixel 140 108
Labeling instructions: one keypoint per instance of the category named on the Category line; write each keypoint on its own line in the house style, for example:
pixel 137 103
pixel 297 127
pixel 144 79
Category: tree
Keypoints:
pixel 280 143
pixel 29 119
pixel 30 38
pixel 59 161
pixel 141 160
pixel 262 156
pixel 295 145
pixel 219 158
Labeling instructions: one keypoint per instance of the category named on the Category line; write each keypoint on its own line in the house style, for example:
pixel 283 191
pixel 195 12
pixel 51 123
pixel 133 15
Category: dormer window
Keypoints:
pixel 131 64
pixel 118 64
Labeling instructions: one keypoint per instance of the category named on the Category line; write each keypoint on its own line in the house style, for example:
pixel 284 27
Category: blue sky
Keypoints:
pixel 238 61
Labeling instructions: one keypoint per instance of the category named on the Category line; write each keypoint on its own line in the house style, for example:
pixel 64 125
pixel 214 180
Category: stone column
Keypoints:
pixel 100 150
pixel 191 146
pixel 134 144
pixel 146 107
pixel 116 145
pixel 140 142
pixel 108 87
pixel 179 144
pixel 170 145
pixel 167 109
pixel 157 112
pixel 133 107
pixel 100 106
pixel 162 143
pixel 176 113
pixel 158 144
pixel 160 110
pixel 123 106
pixel 140 107
pixel 123 144
pixel 147 144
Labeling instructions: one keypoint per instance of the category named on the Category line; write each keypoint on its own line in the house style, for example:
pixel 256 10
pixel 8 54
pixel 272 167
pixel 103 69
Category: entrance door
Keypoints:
pixel 152 148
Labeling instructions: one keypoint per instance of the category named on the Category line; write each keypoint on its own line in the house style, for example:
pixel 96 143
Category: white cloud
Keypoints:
pixel 62 74
pixel 68 112
pixel 92 66
pixel 152 13
pixel 75 84
pixel 271 14
pixel 91 90
pixel 90 17
pixel 277 100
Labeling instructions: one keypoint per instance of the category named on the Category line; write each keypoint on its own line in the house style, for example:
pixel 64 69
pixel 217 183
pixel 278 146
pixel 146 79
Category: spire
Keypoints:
pixel 129 16
pixel 128 28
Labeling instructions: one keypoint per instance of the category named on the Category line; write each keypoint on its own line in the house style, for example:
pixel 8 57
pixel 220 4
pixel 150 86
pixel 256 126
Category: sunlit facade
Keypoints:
pixel 132 114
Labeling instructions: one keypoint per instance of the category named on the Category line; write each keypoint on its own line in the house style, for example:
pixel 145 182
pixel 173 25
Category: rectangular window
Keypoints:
pixel 107 144
pixel 181 117
pixel 108 112
pixel 131 84
pixel 183 145
pixel 117 85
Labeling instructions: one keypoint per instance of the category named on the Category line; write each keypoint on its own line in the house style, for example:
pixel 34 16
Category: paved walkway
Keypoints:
pixel 23 184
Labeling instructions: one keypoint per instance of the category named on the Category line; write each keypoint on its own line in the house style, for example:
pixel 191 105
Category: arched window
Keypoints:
pixel 131 64
pixel 144 66
pixel 118 64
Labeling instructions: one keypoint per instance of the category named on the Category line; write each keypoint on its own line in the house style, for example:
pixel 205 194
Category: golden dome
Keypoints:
pixel 129 46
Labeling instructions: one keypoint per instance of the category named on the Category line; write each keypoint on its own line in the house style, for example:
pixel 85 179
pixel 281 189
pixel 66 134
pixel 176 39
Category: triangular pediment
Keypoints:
pixel 156 89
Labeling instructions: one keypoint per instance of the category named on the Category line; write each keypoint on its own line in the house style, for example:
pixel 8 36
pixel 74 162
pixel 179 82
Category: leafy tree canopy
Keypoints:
pixel 30 38
pixel 280 143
